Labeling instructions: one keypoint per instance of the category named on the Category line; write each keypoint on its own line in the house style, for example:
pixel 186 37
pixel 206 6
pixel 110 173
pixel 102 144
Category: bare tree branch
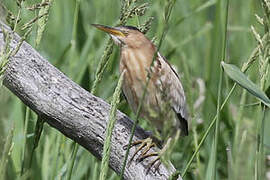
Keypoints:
pixel 72 110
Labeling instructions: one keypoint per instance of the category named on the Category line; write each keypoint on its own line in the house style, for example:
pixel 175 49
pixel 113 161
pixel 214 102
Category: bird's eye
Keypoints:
pixel 125 32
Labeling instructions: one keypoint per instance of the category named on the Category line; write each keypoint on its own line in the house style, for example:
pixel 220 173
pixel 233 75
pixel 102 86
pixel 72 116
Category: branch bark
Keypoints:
pixel 72 110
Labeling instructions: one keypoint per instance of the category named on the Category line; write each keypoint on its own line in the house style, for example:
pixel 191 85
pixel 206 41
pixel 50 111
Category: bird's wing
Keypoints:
pixel 174 89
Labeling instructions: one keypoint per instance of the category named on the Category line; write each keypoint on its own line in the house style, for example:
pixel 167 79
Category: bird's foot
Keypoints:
pixel 144 146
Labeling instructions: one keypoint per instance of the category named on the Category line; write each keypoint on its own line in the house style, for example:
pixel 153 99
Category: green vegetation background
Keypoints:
pixel 193 45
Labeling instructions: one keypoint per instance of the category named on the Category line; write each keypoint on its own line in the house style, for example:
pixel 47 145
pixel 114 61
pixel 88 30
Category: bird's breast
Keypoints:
pixel 137 64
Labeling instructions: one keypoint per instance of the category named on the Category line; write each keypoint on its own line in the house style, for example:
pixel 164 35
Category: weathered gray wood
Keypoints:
pixel 70 109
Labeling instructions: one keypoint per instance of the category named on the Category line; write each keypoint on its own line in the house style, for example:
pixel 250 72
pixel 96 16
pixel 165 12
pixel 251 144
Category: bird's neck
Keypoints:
pixel 137 61
pixel 142 55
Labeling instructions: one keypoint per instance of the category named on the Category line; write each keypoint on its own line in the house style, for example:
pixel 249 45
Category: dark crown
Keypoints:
pixel 131 27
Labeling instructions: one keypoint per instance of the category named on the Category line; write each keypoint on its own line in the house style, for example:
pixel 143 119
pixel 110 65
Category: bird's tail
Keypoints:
pixel 183 125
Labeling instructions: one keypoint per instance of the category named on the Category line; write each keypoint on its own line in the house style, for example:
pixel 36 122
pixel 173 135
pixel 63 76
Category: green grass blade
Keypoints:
pixel 109 129
pixel 240 78
pixel 38 131
pixel 26 121
pixel 41 23
pixel 5 154
pixel 244 68
pixel 220 87
pixel 196 10
pixel 260 152
pixel 102 65
pixel 73 158
pixel 205 134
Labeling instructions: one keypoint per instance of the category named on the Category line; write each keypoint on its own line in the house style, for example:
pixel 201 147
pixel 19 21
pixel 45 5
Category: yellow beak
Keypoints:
pixel 110 30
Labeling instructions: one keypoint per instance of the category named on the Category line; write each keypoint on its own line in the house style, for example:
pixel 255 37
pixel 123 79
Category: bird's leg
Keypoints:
pixel 145 146
pixel 163 155
pixel 145 153
pixel 144 143
pixel 158 155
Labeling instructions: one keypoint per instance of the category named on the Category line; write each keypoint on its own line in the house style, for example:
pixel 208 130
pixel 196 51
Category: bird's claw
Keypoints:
pixel 145 155
pixel 145 146
pixel 154 164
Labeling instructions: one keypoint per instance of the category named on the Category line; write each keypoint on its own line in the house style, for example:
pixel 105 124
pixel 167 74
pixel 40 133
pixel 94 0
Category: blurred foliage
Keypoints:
pixel 193 45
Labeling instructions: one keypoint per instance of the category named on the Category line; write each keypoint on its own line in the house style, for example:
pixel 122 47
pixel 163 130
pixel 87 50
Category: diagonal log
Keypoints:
pixel 72 110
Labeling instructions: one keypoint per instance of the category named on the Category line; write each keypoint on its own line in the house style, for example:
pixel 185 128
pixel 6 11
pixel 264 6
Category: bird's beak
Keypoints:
pixel 113 31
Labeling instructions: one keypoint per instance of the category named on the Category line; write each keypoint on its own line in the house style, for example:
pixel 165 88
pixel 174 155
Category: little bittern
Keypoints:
pixel 164 92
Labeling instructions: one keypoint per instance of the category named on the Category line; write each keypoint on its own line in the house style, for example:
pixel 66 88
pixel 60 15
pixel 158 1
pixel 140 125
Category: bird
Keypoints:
pixel 147 70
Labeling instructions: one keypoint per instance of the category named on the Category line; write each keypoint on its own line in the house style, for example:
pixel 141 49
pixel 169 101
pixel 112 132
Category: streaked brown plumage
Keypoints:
pixel 164 88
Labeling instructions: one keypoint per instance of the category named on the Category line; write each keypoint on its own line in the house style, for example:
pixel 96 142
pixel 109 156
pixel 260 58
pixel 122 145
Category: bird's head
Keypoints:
pixel 125 36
